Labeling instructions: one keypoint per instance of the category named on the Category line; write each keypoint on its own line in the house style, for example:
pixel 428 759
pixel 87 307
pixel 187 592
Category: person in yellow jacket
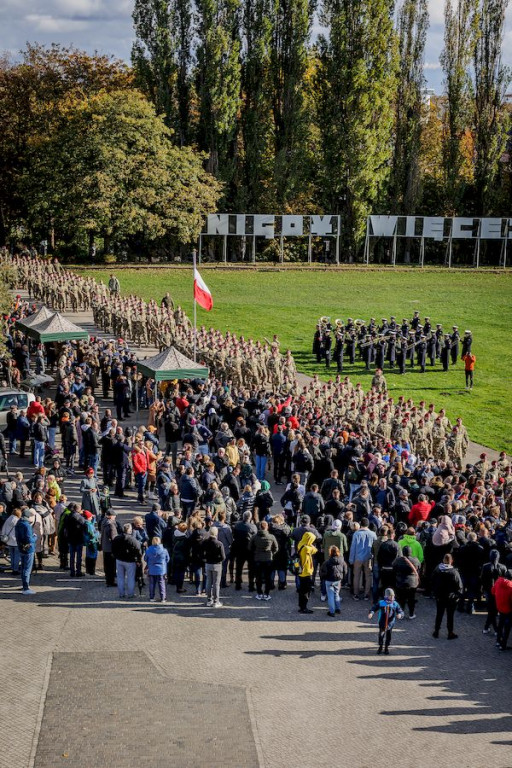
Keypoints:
pixel 306 550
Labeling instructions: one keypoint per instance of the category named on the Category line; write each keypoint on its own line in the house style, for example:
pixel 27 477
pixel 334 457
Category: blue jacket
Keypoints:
pixel 388 613
pixel 361 548
pixel 25 535
pixel 157 558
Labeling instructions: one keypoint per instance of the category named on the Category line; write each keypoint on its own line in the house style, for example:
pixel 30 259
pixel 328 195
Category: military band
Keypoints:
pixel 388 343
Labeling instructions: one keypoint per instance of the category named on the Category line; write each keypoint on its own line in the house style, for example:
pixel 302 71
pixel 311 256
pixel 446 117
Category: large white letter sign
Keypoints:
pixel 490 229
pixel 383 226
pixel 433 226
pixel 264 225
pixel 462 228
pixel 321 225
pixel 292 225
pixel 218 224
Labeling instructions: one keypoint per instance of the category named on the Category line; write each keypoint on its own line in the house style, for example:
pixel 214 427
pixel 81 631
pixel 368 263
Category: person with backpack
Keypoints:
pixel 331 574
pixel 388 611
pixel 447 588
pixel 264 548
pixel 305 569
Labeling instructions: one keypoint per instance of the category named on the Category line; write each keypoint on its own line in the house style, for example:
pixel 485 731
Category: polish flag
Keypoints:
pixel 201 292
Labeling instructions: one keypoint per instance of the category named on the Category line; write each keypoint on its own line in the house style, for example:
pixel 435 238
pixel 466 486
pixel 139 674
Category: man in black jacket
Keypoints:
pixel 447 589
pixel 74 529
pixel 127 552
pixel 120 453
pixel 243 532
pixel 214 555
pixel 470 559
pixel 263 548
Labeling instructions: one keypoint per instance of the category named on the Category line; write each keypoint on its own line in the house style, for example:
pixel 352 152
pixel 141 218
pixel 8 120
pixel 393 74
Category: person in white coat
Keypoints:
pixel 8 537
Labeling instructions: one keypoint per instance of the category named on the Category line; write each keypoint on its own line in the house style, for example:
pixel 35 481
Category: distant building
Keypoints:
pixel 427 95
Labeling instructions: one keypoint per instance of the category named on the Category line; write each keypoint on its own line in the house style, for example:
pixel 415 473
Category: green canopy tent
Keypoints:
pixel 56 328
pixel 43 313
pixel 171 364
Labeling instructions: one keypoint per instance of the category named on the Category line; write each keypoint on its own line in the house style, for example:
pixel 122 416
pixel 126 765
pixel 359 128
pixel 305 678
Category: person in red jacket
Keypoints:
pixel 502 591
pixel 140 470
pixel 420 511
pixel 35 408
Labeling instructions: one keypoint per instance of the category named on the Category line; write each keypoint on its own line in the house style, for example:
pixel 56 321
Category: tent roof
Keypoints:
pixel 43 313
pixel 171 364
pixel 57 328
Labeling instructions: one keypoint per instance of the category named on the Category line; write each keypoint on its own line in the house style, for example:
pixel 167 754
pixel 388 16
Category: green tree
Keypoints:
pixel 161 56
pixel 291 30
pixel 218 77
pixel 357 86
pixel 405 187
pixel 30 92
pixel 459 42
pixel 110 169
pixel 491 119
pixel 257 126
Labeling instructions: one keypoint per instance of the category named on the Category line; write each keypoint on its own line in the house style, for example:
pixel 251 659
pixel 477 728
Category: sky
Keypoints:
pixel 105 26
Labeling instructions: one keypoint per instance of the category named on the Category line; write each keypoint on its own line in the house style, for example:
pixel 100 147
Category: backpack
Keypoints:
pixel 295 564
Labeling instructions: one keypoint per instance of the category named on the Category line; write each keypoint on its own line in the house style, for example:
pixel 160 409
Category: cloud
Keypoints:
pixel 106 26
pixel 47 23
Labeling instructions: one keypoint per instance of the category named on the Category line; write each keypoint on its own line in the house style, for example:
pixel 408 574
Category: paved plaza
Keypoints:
pixel 92 681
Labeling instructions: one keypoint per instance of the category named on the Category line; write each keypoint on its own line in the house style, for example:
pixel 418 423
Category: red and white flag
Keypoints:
pixel 201 292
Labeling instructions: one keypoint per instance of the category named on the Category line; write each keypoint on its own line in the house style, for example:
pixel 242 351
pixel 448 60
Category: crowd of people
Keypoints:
pixel 347 516
pixel 370 496
pixel 390 343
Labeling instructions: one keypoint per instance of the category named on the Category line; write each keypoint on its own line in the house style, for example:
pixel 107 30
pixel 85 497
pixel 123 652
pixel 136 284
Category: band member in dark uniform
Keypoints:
pixel 455 338
pixel 445 352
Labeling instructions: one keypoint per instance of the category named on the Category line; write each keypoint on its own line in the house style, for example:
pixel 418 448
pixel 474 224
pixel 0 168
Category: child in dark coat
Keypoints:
pixel 389 611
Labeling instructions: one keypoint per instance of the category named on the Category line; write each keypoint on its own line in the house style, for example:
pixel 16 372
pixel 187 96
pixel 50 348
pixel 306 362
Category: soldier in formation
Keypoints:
pixel 229 357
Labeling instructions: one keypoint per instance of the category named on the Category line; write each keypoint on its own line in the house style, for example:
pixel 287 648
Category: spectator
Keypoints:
pixel 127 552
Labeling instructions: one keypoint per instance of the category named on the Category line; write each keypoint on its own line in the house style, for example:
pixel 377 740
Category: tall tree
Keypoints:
pixel 162 56
pixel 218 84
pixel 405 191
pixel 357 82
pixel 491 119
pixel 459 40
pixel 256 117
pixel 292 20
pixel 110 169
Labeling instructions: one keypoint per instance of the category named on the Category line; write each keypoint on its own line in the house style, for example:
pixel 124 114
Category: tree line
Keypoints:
pixel 256 111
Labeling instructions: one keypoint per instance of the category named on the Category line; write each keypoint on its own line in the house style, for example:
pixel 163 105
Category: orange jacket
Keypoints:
pixel 469 362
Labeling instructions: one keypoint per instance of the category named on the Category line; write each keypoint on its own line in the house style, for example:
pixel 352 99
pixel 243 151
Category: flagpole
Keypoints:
pixel 194 252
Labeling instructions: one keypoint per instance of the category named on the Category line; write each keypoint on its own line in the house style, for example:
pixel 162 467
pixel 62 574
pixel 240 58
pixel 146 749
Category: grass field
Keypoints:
pixel 260 303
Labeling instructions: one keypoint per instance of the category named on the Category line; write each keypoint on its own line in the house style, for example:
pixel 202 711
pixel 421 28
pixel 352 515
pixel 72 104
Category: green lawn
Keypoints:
pixel 260 303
